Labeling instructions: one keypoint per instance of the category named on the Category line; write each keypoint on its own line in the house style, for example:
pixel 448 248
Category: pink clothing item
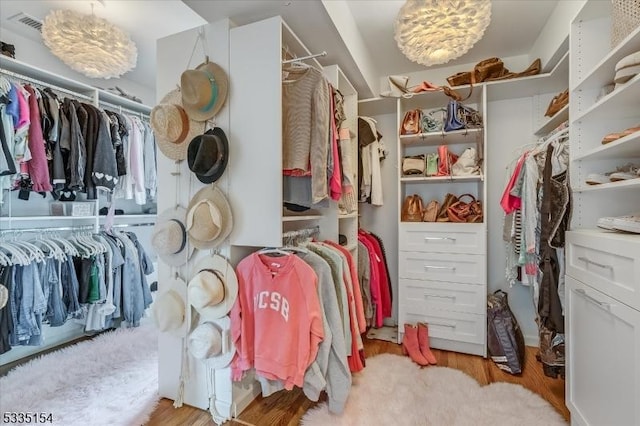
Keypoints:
pixel 276 322
pixel 383 274
pixel 335 180
pixel 509 202
pixel 23 109
pixel 374 281
pixel 357 293
pixel 38 167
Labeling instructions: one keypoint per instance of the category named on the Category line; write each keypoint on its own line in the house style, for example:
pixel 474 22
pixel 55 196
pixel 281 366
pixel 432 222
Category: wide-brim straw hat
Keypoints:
pixel 209 218
pixel 172 126
pixel 213 289
pixel 204 90
pixel 211 343
pixel 169 238
pixel 169 309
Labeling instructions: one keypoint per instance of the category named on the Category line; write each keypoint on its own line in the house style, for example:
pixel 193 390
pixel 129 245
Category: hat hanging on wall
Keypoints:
pixel 169 311
pixel 172 126
pixel 211 343
pixel 204 90
pixel 213 289
pixel 209 219
pixel 208 155
pixel 169 237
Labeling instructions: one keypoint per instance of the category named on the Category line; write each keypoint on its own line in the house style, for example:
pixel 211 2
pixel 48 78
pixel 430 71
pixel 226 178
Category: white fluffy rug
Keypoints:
pixel 109 380
pixel 392 390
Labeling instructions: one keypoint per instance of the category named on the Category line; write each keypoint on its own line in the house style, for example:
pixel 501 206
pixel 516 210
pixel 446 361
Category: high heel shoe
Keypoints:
pixel 557 103
pixel 410 345
pixel 423 343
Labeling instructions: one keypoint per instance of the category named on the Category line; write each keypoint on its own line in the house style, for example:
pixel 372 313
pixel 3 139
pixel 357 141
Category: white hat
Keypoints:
pixel 211 343
pixel 169 238
pixel 169 310
pixel 214 287
pixel 209 219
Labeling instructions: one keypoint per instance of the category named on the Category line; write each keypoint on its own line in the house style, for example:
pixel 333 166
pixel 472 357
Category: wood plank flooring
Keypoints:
pixel 287 408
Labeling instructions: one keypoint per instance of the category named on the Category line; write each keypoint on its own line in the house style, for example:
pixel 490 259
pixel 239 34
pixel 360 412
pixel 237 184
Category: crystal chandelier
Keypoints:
pixel 432 32
pixel 88 44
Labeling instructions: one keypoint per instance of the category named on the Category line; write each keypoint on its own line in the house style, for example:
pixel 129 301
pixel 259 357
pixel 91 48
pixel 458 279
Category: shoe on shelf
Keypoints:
pixel 557 103
pixel 606 223
pixel 611 137
pixel 626 172
pixel 597 178
pixel 629 223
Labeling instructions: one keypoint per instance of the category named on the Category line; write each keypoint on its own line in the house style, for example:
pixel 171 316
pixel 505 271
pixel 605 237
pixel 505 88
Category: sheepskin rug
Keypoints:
pixel 109 380
pixel 392 390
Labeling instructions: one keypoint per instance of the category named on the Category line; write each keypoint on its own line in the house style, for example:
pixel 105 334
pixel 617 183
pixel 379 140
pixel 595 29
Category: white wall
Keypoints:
pixel 38 55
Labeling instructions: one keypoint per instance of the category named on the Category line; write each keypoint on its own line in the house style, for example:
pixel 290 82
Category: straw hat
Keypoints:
pixel 214 288
pixel 172 126
pixel 4 296
pixel 209 219
pixel 204 90
pixel 169 237
pixel 169 310
pixel 208 155
pixel 211 343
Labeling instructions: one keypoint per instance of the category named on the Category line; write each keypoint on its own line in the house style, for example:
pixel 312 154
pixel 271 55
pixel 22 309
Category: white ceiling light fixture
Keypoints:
pixel 88 44
pixel 432 32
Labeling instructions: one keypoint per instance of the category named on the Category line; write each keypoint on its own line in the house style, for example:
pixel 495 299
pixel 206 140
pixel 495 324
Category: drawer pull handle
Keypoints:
pixel 441 296
pixel 439 239
pixel 599 265
pixel 452 268
pixel 603 305
pixel 443 324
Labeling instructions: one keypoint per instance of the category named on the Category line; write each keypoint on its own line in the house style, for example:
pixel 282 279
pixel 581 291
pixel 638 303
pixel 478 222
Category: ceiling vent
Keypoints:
pixel 27 20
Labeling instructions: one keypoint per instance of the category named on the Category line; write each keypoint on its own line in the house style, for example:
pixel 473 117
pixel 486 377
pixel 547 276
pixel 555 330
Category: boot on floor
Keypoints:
pixel 410 345
pixel 423 343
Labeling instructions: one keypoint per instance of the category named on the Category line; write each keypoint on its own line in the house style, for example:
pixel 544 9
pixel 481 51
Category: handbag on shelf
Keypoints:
pixel 411 122
pixel 432 164
pixel 462 211
pixel 467 164
pixel 412 209
pixel 432 120
pixel 414 165
pixel 459 116
pixel 445 159
pixel 430 213
pixel 449 199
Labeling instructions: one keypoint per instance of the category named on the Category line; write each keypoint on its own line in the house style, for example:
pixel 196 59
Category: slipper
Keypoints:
pixel 425 86
pixel 618 135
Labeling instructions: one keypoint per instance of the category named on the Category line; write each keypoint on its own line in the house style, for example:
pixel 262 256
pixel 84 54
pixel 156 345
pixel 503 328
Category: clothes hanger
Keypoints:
pixel 17 256
pixel 274 250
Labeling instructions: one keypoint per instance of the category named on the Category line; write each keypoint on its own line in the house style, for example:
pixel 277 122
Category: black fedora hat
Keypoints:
pixel 208 155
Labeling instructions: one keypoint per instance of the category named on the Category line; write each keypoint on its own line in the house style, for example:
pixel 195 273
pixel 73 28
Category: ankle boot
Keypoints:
pixel 410 345
pixel 423 343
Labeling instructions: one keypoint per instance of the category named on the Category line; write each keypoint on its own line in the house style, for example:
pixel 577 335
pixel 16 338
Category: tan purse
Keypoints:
pixel 412 209
pixel 449 199
pixel 411 122
pixel 414 165
pixel 431 211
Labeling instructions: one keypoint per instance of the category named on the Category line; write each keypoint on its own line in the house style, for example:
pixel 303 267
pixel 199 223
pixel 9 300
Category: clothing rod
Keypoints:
pixel 121 108
pixel 42 83
pixel 61 228
pixel 126 225
pixel 301 232
pixel 304 58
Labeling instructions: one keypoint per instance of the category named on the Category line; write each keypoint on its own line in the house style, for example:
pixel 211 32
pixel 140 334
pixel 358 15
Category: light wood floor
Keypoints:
pixel 287 408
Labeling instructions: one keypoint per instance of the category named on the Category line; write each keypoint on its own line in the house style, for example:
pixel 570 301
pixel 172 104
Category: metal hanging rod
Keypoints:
pixel 304 58
pixel 72 228
pixel 45 84
pixel 306 232
pixel 121 108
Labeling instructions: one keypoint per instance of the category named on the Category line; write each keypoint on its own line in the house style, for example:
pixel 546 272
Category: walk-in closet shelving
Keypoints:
pixel 602 294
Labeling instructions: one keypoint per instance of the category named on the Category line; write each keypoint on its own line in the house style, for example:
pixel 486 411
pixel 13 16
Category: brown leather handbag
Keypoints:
pixel 411 122
pixel 412 209
pixel 463 211
pixel 449 199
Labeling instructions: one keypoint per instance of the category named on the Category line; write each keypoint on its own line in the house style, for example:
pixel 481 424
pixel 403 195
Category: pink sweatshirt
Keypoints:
pixel 276 322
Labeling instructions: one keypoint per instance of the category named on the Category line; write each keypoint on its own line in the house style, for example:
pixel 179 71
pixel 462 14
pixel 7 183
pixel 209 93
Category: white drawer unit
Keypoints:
pixel 425 296
pixel 603 350
pixel 609 262
pixel 468 238
pixel 459 268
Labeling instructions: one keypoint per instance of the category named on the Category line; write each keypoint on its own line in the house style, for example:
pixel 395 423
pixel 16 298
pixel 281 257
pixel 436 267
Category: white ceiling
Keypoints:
pixel 145 21
pixel 515 26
